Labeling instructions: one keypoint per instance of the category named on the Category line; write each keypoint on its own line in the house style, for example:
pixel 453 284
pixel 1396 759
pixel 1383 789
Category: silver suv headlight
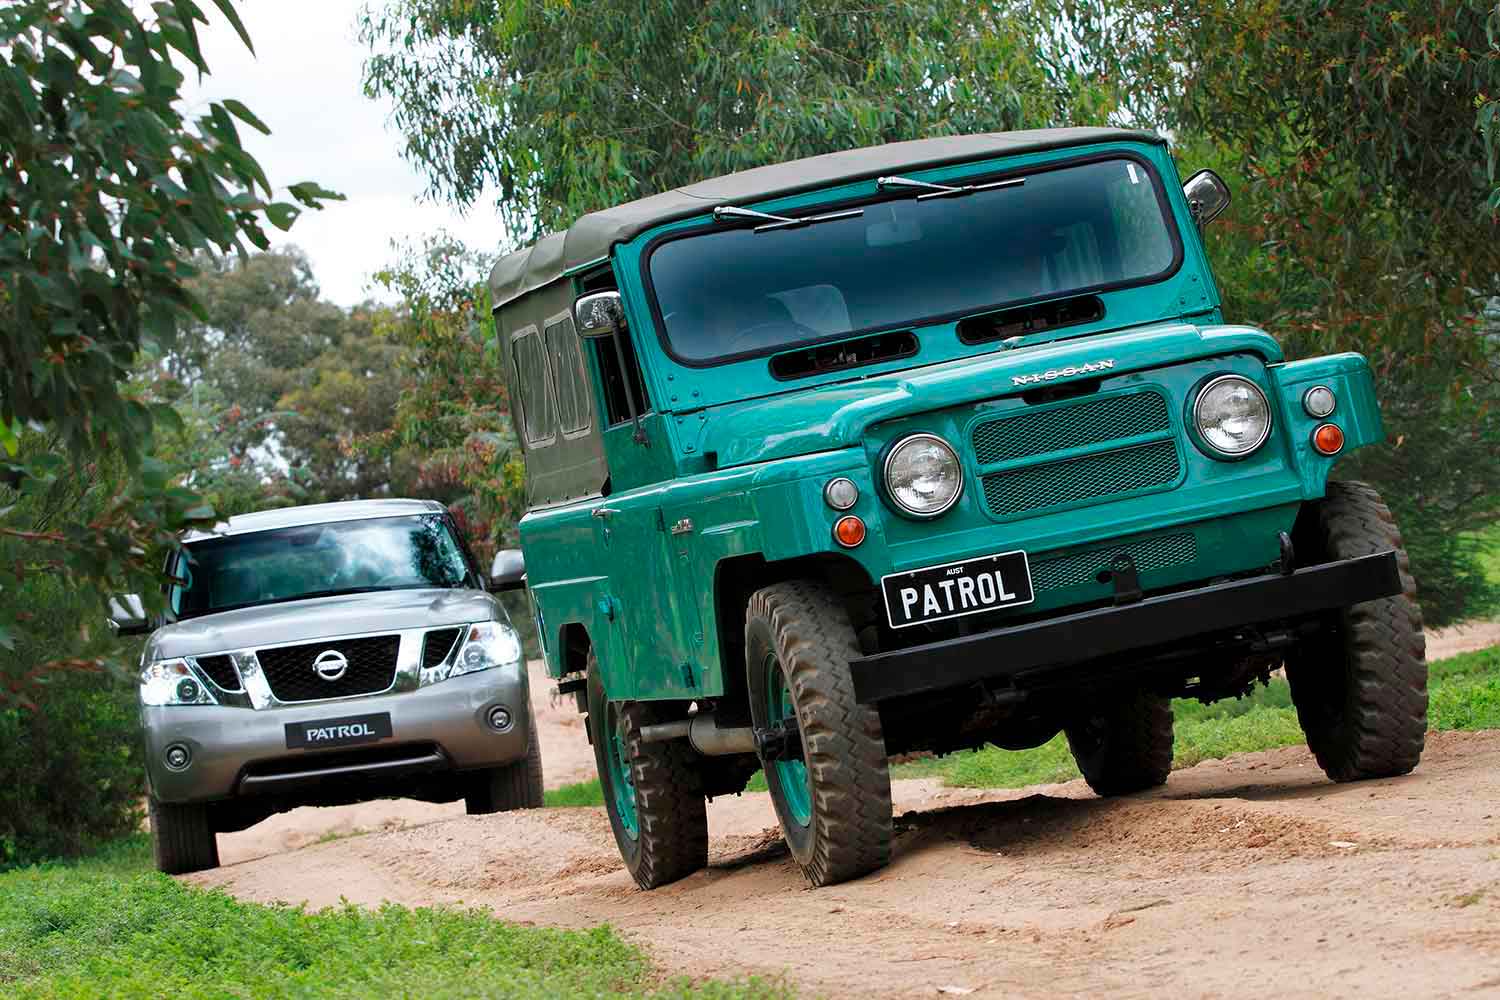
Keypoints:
pixel 173 682
pixel 923 476
pixel 1232 415
pixel 483 645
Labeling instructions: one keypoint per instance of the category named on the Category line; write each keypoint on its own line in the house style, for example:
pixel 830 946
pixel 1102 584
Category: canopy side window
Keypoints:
pixel 534 380
pixel 574 414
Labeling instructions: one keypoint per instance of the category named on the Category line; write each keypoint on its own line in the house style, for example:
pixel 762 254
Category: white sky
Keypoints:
pixel 303 82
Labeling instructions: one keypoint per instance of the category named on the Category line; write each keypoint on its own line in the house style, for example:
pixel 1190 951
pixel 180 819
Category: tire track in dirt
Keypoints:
pixel 1242 877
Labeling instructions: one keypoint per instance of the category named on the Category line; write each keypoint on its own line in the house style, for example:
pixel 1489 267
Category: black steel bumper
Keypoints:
pixel 1132 628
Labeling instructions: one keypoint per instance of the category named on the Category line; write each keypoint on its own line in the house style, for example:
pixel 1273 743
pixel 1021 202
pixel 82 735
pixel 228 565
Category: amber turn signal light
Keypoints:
pixel 1328 439
pixel 849 531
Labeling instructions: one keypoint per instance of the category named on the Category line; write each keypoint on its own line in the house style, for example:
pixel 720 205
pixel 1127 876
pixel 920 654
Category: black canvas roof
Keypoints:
pixel 591 237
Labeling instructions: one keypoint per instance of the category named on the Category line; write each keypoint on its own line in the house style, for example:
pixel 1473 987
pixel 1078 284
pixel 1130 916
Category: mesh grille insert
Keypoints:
pixel 220 670
pixel 436 644
pixel 1092 422
pixel 372 667
pixel 1161 552
pixel 1077 479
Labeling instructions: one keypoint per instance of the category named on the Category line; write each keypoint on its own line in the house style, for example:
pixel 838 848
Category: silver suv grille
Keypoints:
pixel 292 677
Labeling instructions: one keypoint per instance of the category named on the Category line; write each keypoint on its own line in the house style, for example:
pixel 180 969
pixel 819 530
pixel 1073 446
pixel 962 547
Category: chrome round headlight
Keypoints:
pixel 1232 415
pixel 923 475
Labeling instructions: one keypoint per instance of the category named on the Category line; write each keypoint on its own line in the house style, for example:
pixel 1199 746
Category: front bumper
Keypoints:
pixel 1120 635
pixel 446 724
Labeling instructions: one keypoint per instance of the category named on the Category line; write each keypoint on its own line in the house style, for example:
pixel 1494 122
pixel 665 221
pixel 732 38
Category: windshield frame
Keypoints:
pixel 1158 187
pixel 472 579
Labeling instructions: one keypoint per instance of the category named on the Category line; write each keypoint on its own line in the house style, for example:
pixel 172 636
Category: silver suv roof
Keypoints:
pixel 315 513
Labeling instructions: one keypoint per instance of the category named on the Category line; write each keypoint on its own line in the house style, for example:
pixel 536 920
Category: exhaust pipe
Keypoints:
pixel 703 732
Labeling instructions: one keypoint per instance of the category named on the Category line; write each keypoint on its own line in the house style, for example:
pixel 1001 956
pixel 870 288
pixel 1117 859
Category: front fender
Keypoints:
pixel 1356 412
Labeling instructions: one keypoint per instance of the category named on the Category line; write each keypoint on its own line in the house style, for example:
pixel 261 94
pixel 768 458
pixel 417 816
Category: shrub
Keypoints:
pixel 71 774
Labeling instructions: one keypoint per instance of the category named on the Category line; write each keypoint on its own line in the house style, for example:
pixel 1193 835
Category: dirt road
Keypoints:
pixel 1246 877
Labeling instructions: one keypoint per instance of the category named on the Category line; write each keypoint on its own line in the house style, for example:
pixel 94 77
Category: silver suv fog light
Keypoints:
pixel 1232 415
pixel 500 718
pixel 177 757
pixel 923 475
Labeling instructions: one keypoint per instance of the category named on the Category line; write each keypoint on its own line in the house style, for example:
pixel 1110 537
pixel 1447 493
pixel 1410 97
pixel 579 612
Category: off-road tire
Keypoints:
pixel 517 785
pixel 807 629
pixel 1124 745
pixel 671 815
pixel 1361 688
pixel 182 837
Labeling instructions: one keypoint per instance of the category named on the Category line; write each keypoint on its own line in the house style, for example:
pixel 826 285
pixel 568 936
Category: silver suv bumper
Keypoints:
pixel 226 742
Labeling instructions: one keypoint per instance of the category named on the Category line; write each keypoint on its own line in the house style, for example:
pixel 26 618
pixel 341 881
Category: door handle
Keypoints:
pixel 604 511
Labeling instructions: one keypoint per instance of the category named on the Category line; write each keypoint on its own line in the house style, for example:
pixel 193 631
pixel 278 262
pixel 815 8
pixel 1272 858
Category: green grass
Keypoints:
pixel 109 927
pixel 584 793
pixel 1489 553
pixel 1465 694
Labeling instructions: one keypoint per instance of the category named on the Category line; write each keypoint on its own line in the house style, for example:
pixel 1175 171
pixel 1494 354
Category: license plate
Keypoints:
pixel 345 732
pixel 953 590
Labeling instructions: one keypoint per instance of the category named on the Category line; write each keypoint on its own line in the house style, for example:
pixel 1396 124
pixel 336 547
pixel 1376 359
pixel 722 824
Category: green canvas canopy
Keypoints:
pixel 591 237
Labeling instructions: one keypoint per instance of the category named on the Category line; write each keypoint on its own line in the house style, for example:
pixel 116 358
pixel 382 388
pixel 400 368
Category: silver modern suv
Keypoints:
pixel 324 655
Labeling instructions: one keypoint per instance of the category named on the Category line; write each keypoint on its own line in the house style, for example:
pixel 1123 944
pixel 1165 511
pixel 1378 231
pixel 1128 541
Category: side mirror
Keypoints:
pixel 508 571
pixel 127 615
pixel 1207 196
pixel 595 314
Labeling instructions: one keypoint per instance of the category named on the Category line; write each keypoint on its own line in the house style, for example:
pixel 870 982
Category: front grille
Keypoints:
pixel 1092 422
pixel 1091 477
pixel 290 674
pixel 1161 552
pixel 220 670
pixel 1127 439
pixel 436 644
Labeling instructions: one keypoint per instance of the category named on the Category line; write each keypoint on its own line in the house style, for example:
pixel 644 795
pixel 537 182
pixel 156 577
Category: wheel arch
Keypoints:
pixel 738 577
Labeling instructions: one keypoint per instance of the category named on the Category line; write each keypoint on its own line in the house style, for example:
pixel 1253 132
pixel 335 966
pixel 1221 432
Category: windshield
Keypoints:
pixel 736 292
pixel 317 560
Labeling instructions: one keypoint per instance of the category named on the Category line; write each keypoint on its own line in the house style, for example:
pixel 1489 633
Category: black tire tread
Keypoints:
pixel 182 837
pixel 669 804
pixel 1380 724
pixel 671 813
pixel 1135 752
pixel 845 747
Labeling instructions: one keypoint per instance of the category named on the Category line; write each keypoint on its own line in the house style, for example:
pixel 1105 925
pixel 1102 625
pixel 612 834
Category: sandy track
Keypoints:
pixel 566 758
pixel 1250 876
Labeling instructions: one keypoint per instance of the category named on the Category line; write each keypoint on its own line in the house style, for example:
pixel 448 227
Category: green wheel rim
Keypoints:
pixel 791 775
pixel 620 783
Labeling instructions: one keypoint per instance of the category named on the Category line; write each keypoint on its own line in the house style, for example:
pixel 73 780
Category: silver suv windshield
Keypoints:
pixel 317 560
pixel 739 292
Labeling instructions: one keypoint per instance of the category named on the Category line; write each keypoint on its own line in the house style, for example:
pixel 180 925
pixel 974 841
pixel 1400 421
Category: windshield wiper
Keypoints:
pixel 941 190
pixel 730 213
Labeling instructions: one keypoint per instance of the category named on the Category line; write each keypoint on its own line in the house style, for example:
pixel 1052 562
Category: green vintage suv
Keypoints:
pixel 926 446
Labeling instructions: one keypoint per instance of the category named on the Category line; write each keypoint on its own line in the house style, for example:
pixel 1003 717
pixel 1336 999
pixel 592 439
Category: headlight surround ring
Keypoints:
pixel 1219 449
pixel 893 492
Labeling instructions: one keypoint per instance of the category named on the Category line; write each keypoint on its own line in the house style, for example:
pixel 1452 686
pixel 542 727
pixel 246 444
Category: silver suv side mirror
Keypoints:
pixel 508 571
pixel 127 615
pixel 1207 196
pixel 595 314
